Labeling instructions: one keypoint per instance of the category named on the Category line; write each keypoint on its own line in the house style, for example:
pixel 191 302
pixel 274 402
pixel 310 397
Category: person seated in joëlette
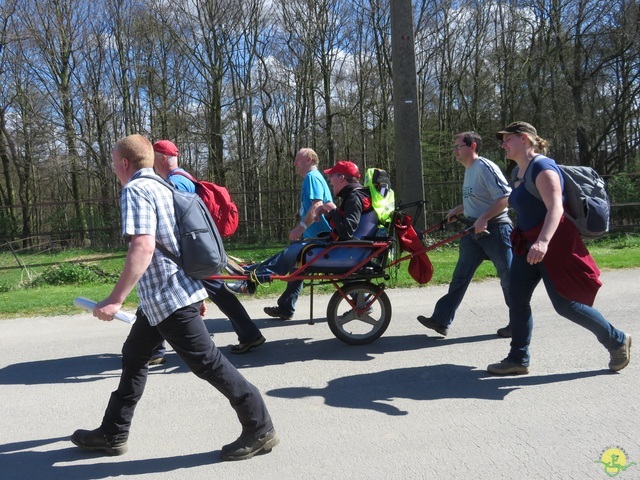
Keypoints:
pixel 355 218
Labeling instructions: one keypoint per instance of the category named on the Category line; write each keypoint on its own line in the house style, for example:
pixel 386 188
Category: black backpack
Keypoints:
pixel 202 252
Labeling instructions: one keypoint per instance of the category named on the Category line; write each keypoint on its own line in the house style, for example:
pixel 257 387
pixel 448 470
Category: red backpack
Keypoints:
pixel 218 201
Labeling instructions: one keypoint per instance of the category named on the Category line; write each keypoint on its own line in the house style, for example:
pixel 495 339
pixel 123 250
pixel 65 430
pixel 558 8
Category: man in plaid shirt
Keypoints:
pixel 170 304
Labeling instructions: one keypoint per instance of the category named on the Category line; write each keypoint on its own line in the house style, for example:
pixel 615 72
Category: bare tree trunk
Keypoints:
pixel 55 28
pixel 7 150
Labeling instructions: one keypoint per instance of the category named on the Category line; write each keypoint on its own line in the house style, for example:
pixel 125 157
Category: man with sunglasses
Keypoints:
pixel 485 194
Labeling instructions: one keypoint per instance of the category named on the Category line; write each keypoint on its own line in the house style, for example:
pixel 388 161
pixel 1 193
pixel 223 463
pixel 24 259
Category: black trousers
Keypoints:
pixel 229 304
pixel 186 333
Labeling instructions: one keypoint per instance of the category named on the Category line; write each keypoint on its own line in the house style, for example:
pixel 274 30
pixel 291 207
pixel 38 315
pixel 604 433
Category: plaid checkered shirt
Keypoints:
pixel 147 209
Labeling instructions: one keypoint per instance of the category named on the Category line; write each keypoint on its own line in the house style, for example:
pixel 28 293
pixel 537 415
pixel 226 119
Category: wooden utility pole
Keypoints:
pixel 409 173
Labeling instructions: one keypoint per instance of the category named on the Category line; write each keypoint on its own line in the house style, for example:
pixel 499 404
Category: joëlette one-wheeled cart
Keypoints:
pixel 359 311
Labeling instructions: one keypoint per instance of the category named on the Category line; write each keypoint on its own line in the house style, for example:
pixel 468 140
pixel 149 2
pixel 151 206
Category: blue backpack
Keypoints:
pixel 586 202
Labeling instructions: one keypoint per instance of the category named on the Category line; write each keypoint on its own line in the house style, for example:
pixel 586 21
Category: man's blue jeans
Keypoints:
pixel 473 251
pixel 282 263
pixel 288 299
pixel 524 280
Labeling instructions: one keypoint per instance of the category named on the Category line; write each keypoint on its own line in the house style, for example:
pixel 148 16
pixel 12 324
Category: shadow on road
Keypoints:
pixel 90 368
pixel 376 391
pixel 25 460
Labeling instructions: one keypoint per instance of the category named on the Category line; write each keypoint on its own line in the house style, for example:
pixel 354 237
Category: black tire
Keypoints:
pixel 354 328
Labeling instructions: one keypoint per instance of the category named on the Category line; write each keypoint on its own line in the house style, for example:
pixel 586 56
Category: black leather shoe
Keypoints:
pixel 504 332
pixel 433 325
pixel 243 287
pixel 247 445
pixel 97 440
pixel 277 312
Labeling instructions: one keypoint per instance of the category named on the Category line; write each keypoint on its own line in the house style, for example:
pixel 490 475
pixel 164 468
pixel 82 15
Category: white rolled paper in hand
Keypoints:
pixel 87 304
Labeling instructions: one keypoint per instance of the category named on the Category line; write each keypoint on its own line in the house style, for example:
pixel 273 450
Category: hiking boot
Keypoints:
pixel 245 287
pixel 248 445
pixel 507 367
pixel 97 440
pixel 620 356
pixel 433 325
pixel 277 312
pixel 157 361
pixel 504 332
pixel 245 347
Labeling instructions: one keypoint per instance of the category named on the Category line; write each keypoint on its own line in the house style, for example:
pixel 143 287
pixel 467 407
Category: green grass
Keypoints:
pixel 18 298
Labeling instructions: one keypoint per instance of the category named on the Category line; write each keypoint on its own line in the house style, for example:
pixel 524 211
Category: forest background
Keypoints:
pixel 241 86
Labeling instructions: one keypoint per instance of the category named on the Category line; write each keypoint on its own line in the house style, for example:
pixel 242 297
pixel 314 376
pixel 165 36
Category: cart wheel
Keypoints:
pixel 359 328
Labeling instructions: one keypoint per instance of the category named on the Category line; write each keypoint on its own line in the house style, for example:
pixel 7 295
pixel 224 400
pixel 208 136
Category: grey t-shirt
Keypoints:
pixel 483 184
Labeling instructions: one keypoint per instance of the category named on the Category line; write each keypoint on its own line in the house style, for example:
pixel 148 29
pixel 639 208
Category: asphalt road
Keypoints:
pixel 410 405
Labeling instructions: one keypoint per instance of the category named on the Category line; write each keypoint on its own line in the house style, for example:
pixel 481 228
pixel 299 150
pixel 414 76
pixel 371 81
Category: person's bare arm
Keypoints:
pixel 454 212
pixel 548 184
pixel 308 219
pixel 138 259
pixel 498 206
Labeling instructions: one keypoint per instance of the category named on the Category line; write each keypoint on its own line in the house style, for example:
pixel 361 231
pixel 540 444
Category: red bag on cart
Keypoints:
pixel 420 267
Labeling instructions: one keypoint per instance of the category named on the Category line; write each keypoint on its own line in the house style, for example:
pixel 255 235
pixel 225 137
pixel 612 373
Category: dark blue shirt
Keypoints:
pixel 530 211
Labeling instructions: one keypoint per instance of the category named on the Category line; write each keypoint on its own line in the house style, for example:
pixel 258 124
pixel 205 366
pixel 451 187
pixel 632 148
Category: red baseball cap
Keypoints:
pixel 345 168
pixel 165 147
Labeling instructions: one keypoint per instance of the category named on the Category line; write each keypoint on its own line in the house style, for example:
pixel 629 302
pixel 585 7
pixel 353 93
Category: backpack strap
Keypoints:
pixel 185 174
pixel 159 246
pixel 529 183
pixel 161 180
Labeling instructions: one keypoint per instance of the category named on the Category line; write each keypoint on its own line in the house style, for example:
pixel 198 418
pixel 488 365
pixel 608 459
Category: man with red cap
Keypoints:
pixel 165 163
pixel 355 218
